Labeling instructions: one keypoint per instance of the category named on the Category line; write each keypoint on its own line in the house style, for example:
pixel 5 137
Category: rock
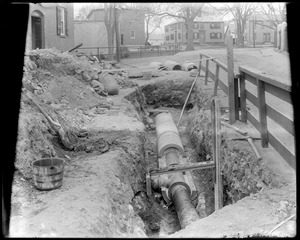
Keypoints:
pixel 78 71
pixel 94 75
pixel 86 76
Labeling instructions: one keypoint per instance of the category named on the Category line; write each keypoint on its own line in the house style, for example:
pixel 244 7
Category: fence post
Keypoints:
pixel 200 64
pixel 243 97
pixel 231 81
pixel 206 71
pixel 216 128
pixel 236 98
pixel 262 113
pixel 98 54
pixel 216 79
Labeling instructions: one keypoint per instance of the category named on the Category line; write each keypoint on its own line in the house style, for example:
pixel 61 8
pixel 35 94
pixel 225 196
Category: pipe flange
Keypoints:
pixel 169 192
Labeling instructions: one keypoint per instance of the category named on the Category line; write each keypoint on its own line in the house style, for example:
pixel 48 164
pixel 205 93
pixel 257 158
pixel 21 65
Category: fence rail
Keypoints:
pixel 132 51
pixel 276 88
pixel 263 83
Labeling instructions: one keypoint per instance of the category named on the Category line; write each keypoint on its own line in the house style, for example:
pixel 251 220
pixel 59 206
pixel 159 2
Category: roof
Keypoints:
pixel 102 9
pixel 197 19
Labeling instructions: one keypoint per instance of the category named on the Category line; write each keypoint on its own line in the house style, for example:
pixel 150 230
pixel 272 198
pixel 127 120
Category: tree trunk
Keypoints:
pixel 147 31
pixel 240 36
pixel 190 40
pixel 109 24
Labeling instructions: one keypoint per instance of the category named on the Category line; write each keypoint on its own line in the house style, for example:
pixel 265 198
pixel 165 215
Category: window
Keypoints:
pixel 132 34
pixel 179 26
pixel 196 35
pixel 122 39
pixel 167 38
pixel 179 35
pixel 215 26
pixel 215 35
pixel 172 36
pixel 201 25
pixel 172 28
pixel 166 29
pixel 61 21
pixel 196 26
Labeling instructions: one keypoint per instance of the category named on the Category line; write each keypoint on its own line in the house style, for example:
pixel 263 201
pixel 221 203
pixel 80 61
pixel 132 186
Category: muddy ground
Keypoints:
pixel 103 192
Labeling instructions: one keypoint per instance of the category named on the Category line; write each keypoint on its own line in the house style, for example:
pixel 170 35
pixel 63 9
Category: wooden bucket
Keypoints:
pixel 48 173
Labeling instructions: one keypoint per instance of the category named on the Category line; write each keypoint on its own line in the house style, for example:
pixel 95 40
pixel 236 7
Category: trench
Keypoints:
pixel 166 221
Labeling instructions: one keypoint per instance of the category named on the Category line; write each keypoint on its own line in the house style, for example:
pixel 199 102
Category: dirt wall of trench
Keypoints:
pixel 242 172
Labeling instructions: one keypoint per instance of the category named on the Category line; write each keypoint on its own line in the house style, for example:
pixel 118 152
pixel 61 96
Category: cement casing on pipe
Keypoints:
pixel 169 140
pixel 171 65
pixel 189 66
pixel 164 123
pixel 167 134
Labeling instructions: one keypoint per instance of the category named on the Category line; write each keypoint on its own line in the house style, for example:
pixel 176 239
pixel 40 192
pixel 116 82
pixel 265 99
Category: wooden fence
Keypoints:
pixel 276 88
pixel 263 84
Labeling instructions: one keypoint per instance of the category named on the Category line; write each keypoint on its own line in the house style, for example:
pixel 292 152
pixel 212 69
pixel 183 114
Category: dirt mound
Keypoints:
pixel 60 83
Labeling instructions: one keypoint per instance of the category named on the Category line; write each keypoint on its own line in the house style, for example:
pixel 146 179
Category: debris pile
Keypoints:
pixel 67 87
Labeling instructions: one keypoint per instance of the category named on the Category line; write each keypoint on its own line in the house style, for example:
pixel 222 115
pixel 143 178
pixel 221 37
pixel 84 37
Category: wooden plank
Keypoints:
pixel 282 120
pixel 243 97
pixel 221 64
pixel 282 150
pixel 262 113
pixel 206 71
pixel 250 78
pixel 236 98
pixel 280 93
pixel 182 168
pixel 272 80
pixel 230 74
pixel 216 114
pixel 253 99
pixel 253 120
pixel 223 87
pixel 216 80
pixel 200 64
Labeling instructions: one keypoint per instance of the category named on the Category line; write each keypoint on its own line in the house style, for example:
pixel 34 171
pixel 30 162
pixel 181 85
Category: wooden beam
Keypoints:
pixel 243 97
pixel 216 80
pixel 182 168
pixel 262 113
pixel 282 150
pixel 230 75
pixel 216 127
pixel 206 71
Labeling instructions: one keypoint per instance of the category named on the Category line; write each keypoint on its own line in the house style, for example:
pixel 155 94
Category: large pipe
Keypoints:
pixel 169 149
pixel 171 65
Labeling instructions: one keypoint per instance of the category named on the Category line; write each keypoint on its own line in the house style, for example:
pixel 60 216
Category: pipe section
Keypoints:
pixel 188 66
pixel 167 134
pixel 171 66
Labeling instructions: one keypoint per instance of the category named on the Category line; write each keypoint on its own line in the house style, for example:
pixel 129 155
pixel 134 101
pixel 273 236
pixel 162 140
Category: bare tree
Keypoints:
pixel 274 14
pixel 152 20
pixel 187 12
pixel 241 13
pixel 109 24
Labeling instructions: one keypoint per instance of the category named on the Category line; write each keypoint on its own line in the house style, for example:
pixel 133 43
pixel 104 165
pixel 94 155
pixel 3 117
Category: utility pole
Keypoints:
pixel 117 34
pixel 254 30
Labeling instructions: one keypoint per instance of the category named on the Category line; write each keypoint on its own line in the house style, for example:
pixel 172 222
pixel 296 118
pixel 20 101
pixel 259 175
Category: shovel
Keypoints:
pixel 64 135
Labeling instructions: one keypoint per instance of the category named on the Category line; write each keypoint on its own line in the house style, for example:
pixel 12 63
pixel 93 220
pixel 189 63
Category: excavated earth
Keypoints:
pixel 104 192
